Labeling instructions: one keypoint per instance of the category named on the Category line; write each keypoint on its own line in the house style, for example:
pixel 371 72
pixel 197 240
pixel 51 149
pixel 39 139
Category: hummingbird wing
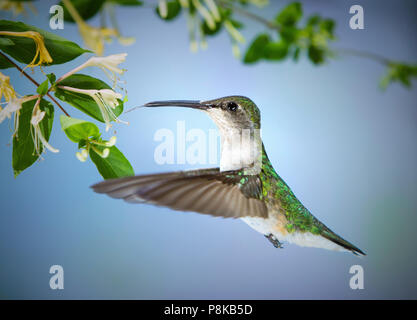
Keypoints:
pixel 229 194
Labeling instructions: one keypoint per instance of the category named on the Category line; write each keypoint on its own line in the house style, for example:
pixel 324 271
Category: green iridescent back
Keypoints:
pixel 275 189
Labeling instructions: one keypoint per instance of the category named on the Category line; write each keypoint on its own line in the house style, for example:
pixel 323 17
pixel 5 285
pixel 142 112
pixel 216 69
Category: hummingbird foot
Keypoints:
pixel 274 241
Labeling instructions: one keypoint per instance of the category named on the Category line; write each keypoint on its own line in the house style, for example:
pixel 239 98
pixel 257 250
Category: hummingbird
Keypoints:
pixel 245 185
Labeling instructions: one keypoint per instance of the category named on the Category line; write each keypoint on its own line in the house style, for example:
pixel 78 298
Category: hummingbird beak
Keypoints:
pixel 195 104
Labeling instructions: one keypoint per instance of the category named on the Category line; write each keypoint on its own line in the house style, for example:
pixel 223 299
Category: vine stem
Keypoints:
pixel 250 15
pixel 272 25
pixel 33 81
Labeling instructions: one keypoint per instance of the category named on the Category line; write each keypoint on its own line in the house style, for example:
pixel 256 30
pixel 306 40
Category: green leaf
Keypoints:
pixel 313 20
pixel 256 49
pixel 114 166
pixel 276 50
pixel 316 54
pixel 224 15
pixel 43 88
pixel 81 101
pixel 6 42
pixel 82 144
pixel 78 130
pixel 4 63
pixel 290 15
pixel 174 9
pixel 86 8
pixel 328 25
pixel 211 32
pixel 24 154
pixel 23 50
pixel 236 24
pixel 399 72
pixel 52 78
pixel 296 54
pixel 289 34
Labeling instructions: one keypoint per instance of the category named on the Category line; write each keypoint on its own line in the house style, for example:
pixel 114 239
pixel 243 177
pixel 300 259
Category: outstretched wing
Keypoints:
pixel 228 194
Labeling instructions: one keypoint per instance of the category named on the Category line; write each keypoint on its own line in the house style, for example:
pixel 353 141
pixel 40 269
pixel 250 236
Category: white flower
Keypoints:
pixel 163 8
pixel 107 64
pixel 110 62
pixel 13 107
pixel 211 4
pixel 37 135
pixel 82 156
pixel 207 16
pixel 105 153
pixel 111 142
pixel 107 100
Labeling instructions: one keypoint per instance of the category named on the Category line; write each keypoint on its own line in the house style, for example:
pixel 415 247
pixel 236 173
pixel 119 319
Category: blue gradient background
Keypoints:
pixel 347 149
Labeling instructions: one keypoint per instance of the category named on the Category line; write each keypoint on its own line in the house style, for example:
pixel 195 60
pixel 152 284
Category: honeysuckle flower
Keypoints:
pixel 126 41
pixel 6 89
pixel 105 153
pixel 233 32
pixel 93 37
pixel 41 51
pixel 82 156
pixel 92 144
pixel 184 3
pixel 17 7
pixel 13 108
pixel 236 50
pixel 106 99
pixel 192 24
pixel 163 8
pixel 211 4
pixel 109 65
pixel 102 153
pixel 111 142
pixel 37 135
pixel 205 14
pixel 14 6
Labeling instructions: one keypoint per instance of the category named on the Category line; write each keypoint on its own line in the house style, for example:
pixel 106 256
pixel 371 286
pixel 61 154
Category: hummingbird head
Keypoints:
pixel 239 123
pixel 231 112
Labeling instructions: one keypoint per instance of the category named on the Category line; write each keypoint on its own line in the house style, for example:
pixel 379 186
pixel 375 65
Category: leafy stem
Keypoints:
pixel 274 26
pixel 33 81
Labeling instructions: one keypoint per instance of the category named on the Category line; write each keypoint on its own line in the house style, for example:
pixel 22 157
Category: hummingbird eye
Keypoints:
pixel 232 106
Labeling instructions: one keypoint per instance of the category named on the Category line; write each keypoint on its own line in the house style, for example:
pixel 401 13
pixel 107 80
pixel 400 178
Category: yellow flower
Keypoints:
pixel 94 38
pixel 15 6
pixel 126 41
pixel 41 51
pixel 6 89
